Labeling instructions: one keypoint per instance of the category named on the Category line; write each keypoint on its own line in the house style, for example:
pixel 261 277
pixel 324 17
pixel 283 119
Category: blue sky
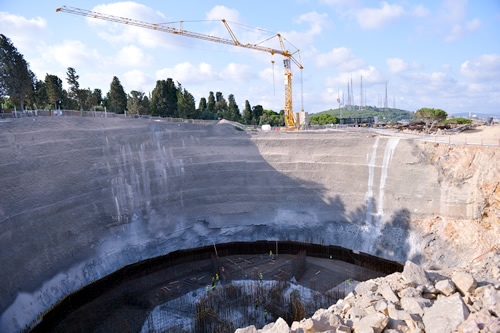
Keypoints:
pixel 441 54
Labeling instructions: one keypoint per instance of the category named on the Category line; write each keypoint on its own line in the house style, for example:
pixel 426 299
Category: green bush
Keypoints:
pixel 459 121
pixel 323 119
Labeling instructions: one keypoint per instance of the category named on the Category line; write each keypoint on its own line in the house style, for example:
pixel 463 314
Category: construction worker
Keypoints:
pixel 349 281
pixel 260 277
pixel 256 303
pixel 213 286
pixel 217 277
pixel 270 253
pixel 265 314
pixel 208 288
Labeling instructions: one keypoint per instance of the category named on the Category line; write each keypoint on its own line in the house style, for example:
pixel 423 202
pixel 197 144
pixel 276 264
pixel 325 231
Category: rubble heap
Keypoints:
pixel 412 301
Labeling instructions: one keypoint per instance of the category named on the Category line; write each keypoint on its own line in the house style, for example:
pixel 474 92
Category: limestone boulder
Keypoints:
pixel 415 305
pixel 387 292
pixel 280 326
pixel 414 273
pixel 465 282
pixel 305 325
pixel 445 315
pixel 481 321
pixel 410 292
pixel 375 322
pixel 249 329
pixel 489 298
pixel 324 320
pixel 343 329
pixel 445 287
pixel 355 312
pixel 399 314
pixel 365 287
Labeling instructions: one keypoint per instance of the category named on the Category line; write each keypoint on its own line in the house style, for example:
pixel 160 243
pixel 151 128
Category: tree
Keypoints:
pixel 220 104
pixel 54 90
pixel 211 102
pixel 135 102
pixel 81 96
pixel 117 98
pixel 323 119
pixel 186 104
pixel 16 79
pixel 164 99
pixel 233 111
pixel 72 80
pixel 431 116
pixel 272 118
pixel 257 112
pixel 202 105
pixel 40 94
pixel 95 98
pixel 247 113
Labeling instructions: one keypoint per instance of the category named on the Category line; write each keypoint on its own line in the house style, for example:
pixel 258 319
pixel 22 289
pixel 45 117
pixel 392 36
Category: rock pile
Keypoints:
pixel 412 301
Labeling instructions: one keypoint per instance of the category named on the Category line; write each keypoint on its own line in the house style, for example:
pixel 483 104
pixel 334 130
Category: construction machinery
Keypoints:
pixel 290 119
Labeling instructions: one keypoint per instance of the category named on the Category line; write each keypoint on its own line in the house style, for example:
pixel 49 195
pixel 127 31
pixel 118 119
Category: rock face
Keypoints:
pixel 82 197
pixel 375 308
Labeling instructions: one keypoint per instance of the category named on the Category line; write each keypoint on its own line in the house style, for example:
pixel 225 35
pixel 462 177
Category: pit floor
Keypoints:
pixel 125 307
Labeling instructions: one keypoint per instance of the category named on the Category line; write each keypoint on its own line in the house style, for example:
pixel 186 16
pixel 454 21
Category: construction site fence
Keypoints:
pixel 73 301
pixel 98 114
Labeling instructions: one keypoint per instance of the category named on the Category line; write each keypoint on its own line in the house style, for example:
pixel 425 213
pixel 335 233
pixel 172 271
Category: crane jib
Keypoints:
pixel 289 118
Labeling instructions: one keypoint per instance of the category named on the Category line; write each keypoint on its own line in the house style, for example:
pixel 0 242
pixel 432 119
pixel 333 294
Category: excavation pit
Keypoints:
pixel 168 293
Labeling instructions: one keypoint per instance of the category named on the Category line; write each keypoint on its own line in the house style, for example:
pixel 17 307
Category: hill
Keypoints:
pixel 384 114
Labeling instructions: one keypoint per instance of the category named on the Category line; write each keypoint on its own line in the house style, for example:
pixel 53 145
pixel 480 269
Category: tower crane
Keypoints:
pixel 290 120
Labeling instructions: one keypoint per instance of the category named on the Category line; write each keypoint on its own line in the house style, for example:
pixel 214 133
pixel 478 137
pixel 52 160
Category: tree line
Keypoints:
pixel 19 87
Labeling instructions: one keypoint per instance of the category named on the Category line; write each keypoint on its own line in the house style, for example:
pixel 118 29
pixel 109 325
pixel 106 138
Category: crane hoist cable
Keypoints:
pixel 290 120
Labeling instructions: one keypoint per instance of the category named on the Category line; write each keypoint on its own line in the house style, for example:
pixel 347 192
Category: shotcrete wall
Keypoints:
pixel 80 198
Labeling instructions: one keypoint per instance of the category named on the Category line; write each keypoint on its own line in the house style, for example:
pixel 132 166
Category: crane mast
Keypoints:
pixel 287 61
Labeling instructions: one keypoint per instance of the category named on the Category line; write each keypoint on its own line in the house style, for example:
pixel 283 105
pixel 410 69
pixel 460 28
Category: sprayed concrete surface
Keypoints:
pixel 81 198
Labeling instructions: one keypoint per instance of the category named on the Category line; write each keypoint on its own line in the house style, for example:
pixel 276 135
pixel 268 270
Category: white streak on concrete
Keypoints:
pixel 388 153
pixel 369 192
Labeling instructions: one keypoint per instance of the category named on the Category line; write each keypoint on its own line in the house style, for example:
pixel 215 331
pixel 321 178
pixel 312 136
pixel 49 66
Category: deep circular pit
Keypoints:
pixel 124 300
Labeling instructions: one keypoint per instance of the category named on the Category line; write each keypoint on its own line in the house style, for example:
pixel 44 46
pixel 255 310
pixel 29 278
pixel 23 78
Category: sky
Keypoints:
pixel 438 54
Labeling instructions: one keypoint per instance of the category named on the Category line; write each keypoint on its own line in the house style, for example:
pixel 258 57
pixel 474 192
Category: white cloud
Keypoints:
pixel 452 15
pixel 187 73
pixel 453 11
pixel 458 30
pixel 485 67
pixel 396 65
pixel 222 12
pixel 317 23
pixel 370 18
pixel 23 32
pixel 420 11
pixel 341 59
pixel 118 33
pixel 132 56
pixel 72 53
pixel 337 2
pixel 315 20
pixel 370 76
pixel 237 73
pixel 138 80
pixel 432 84
pixel 446 67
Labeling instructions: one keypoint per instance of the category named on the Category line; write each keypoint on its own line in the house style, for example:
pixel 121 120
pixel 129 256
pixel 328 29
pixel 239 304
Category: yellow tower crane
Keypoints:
pixel 290 120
